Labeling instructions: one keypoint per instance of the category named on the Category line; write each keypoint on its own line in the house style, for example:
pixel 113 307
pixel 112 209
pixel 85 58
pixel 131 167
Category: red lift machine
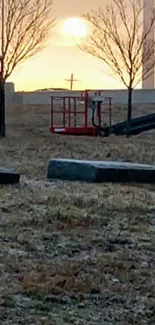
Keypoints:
pixel 79 115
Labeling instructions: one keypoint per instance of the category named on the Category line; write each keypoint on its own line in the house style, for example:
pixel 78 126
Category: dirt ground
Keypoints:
pixel 74 253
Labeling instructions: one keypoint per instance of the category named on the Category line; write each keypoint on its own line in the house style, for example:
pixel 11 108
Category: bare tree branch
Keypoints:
pixel 28 24
pixel 118 39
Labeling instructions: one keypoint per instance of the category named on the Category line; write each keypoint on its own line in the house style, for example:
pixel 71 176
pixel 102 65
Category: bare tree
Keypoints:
pixel 117 37
pixel 25 28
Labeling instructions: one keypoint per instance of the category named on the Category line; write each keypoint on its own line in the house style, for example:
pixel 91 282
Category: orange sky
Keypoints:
pixel 50 67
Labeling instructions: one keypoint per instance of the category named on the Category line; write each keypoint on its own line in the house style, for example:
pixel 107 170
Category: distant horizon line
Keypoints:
pixel 81 90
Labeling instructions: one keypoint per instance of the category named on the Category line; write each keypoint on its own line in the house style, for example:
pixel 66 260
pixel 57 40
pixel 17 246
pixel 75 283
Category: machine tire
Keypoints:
pixel 101 132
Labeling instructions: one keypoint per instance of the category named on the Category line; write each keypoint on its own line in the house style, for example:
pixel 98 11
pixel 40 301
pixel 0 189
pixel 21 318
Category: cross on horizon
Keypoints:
pixel 72 81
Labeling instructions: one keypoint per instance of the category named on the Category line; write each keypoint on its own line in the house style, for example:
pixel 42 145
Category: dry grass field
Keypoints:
pixel 72 253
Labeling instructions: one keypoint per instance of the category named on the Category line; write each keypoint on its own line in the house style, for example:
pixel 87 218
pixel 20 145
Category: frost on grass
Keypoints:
pixel 74 253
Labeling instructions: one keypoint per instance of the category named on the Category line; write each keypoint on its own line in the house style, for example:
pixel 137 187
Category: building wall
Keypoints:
pixel 146 96
pixel 9 93
pixel 44 97
pixel 147 16
pixel 140 96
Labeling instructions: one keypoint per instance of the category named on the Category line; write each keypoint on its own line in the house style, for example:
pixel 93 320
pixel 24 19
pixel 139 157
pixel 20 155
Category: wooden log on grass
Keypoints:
pixel 100 171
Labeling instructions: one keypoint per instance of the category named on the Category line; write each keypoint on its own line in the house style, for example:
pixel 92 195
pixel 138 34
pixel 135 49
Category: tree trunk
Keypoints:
pixel 2 108
pixel 129 114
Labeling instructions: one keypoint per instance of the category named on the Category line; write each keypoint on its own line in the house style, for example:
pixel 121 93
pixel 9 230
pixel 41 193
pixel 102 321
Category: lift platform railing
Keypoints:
pixel 70 109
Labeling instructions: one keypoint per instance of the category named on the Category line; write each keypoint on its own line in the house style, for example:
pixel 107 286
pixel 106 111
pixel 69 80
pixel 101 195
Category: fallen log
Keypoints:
pixel 100 171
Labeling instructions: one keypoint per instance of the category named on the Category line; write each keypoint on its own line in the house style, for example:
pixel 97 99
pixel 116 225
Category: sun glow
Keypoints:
pixel 74 27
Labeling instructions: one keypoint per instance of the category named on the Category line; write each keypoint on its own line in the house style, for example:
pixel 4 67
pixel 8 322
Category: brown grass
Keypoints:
pixel 74 253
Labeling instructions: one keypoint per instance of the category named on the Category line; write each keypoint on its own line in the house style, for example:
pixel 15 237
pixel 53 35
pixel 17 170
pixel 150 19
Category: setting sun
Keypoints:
pixel 75 27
